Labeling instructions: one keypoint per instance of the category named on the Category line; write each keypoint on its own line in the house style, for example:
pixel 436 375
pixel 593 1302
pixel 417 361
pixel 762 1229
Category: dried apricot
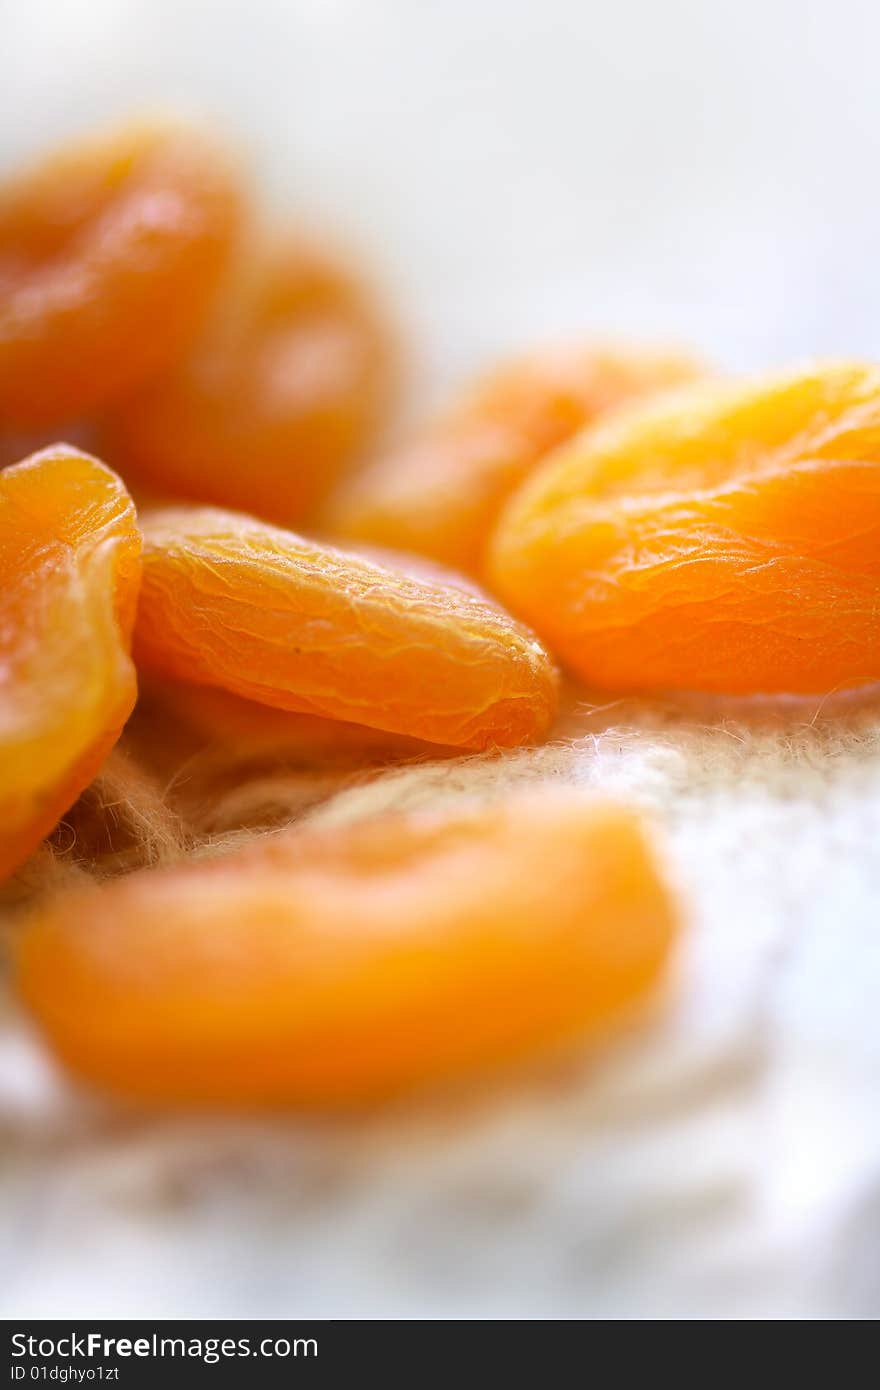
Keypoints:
pixel 109 253
pixel 286 385
pixel 69 573
pixel 248 729
pixel 726 539
pixel 440 494
pixel 236 603
pixel 340 965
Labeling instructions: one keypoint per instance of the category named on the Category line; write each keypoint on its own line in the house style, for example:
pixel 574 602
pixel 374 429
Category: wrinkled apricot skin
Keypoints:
pixel 287 384
pixel 232 602
pixel 109 253
pixel 342 965
pixel 69 575
pixel 440 494
pixel 725 540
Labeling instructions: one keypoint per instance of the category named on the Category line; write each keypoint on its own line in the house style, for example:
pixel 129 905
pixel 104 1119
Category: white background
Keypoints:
pixel 700 171
pixel 524 167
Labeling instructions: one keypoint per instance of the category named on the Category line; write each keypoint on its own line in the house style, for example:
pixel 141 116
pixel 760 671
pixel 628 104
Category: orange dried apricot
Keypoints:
pixel 233 602
pixel 222 719
pixel 109 253
pixel 69 574
pixel 725 539
pixel 286 385
pixel 342 965
pixel 439 495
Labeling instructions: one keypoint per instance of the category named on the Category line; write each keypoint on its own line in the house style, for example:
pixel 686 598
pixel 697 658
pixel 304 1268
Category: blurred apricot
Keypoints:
pixel 286 386
pixel 440 494
pixel 345 964
pixel 110 251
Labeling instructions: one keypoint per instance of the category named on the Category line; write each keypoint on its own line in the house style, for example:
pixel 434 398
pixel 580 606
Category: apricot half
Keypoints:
pixel 340 965
pixel 232 602
pixel 69 574
pixel 109 253
pixel 440 494
pixel 286 385
pixel 725 539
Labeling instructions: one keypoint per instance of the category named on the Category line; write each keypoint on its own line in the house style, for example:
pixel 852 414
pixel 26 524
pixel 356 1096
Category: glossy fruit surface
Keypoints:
pixel 69 575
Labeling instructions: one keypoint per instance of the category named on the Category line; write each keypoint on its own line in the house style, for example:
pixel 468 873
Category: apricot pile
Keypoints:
pixel 441 493
pixel 620 511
